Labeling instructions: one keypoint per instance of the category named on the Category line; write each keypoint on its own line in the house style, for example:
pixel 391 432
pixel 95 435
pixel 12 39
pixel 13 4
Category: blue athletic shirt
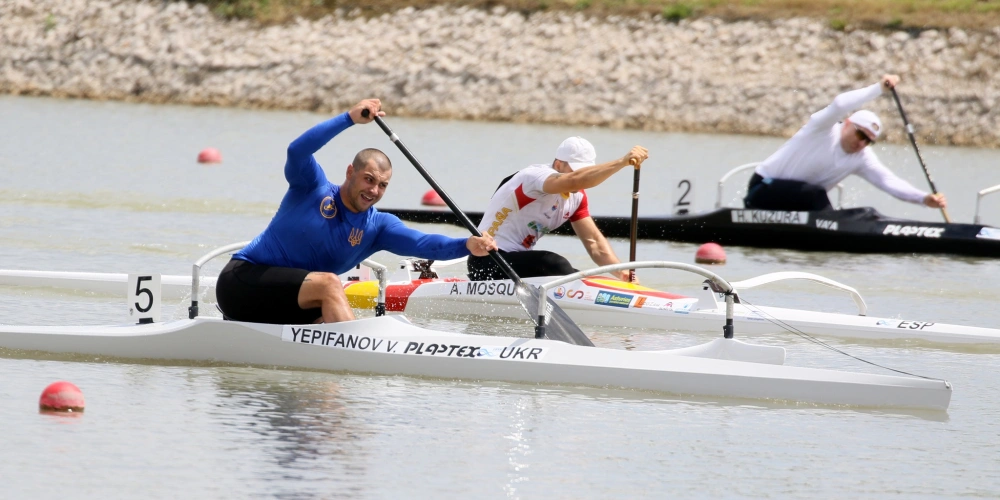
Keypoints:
pixel 313 230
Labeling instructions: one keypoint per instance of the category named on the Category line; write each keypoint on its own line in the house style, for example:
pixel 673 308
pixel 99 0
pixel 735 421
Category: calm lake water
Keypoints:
pixel 114 187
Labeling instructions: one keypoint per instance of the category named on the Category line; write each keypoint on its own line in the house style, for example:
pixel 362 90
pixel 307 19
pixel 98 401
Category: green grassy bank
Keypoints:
pixel 838 14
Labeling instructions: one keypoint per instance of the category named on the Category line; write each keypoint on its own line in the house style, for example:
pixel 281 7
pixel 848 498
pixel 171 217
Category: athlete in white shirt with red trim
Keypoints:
pixel 824 152
pixel 539 199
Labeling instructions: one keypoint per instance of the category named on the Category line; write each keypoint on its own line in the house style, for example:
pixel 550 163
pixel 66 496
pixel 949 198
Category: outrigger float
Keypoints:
pixel 391 345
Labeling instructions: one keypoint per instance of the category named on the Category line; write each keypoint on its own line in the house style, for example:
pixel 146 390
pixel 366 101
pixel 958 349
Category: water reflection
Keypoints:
pixel 518 453
pixel 303 424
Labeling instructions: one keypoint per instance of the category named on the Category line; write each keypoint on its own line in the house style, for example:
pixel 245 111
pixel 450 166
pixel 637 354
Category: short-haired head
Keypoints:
pixel 366 181
pixel 371 154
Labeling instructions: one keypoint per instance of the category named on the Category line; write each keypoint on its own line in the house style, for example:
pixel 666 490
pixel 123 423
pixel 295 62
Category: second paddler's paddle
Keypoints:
pixel 913 141
pixel 634 233
pixel 559 326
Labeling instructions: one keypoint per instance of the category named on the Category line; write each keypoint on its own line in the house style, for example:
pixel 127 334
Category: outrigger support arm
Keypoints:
pixel 196 270
pixel 795 275
pixel 425 266
pixel 715 281
pixel 979 198
pixel 382 273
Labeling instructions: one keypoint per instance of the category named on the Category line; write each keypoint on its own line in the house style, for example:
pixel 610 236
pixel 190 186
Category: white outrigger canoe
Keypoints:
pixel 586 298
pixel 391 345
pixel 601 301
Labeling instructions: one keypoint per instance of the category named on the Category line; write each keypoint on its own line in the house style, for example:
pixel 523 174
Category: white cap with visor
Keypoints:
pixel 577 151
pixel 867 120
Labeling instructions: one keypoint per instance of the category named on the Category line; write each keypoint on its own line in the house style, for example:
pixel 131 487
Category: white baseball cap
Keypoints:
pixel 868 121
pixel 576 151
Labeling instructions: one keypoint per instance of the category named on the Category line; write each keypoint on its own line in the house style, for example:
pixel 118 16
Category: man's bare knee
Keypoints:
pixel 324 290
pixel 327 281
pixel 318 288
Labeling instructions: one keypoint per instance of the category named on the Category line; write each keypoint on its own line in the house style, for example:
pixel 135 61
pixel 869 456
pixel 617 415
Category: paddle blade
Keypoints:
pixel 559 325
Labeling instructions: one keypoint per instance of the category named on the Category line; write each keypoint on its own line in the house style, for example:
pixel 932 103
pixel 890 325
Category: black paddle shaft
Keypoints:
pixel 561 326
pixel 464 219
pixel 913 141
pixel 634 233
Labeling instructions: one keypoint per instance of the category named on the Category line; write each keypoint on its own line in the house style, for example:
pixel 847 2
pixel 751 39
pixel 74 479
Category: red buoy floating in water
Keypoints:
pixel 432 199
pixel 61 396
pixel 209 155
pixel 710 253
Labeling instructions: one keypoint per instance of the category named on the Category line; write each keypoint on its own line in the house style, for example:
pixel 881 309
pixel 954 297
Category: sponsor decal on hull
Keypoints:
pixel 678 307
pixel 769 217
pixel 918 231
pixel 348 341
pixel 562 292
pixel 829 225
pixel 613 299
pixel 989 233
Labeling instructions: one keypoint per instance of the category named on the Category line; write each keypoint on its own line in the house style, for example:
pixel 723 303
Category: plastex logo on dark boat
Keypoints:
pixel 769 217
pixel 918 231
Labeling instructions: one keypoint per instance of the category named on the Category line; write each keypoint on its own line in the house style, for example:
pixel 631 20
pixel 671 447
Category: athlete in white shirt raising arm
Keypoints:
pixel 538 199
pixel 824 152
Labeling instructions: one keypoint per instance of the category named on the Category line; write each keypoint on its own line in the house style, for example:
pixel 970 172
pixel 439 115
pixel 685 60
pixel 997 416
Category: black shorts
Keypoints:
pixel 263 294
pixel 526 264
pixel 782 194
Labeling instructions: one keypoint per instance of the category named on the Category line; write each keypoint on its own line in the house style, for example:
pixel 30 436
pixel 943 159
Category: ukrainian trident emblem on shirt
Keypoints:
pixel 355 237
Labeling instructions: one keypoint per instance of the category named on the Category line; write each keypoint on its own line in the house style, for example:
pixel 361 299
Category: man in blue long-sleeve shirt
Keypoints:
pixel 288 273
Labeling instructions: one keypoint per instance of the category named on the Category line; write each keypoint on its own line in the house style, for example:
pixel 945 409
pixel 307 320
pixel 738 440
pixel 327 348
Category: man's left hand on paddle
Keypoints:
pixel 374 107
pixel 480 246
